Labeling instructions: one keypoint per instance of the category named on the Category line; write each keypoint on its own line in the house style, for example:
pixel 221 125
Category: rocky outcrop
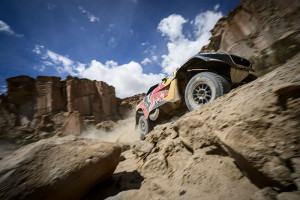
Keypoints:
pixel 266 32
pixel 243 145
pixel 127 105
pixel 21 94
pixel 91 98
pixel 48 106
pixel 57 168
pixel 50 94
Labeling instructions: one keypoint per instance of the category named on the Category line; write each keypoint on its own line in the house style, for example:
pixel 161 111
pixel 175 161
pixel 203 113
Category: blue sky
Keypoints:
pixel 130 44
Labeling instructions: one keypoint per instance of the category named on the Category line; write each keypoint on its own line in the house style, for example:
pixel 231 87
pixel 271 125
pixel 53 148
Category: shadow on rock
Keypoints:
pixel 257 177
pixel 117 183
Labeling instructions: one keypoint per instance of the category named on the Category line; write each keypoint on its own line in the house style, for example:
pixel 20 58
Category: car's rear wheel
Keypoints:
pixel 145 126
pixel 205 87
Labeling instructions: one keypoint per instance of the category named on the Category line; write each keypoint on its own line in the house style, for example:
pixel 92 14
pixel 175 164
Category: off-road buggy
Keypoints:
pixel 202 79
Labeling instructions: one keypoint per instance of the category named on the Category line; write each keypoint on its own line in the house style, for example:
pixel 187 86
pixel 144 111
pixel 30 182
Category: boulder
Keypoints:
pixel 57 168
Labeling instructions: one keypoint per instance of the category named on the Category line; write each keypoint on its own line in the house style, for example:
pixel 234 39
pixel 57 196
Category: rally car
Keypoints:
pixel 202 79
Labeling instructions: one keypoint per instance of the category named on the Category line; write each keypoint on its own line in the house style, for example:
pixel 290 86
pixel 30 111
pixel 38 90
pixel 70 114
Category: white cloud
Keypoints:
pixel 5 28
pixel 180 47
pixel 146 61
pixel 112 41
pixel 172 27
pixel 128 79
pixel 217 6
pixel 204 22
pixel 47 63
pixel 154 58
pixel 39 68
pixel 37 49
pixel 62 64
pixel 3 89
pixel 91 17
pixel 150 48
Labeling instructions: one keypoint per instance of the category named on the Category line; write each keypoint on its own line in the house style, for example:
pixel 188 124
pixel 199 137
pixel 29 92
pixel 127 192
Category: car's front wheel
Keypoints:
pixel 144 126
pixel 205 87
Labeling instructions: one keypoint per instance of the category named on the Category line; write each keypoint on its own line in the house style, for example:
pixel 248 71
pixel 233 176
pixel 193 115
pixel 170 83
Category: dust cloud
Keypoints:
pixel 123 132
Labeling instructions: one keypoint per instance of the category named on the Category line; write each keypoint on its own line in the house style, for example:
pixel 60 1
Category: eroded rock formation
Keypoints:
pixel 39 108
pixel 35 109
pixel 266 32
pixel 47 95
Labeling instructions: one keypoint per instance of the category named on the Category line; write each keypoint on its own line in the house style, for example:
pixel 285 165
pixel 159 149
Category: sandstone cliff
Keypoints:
pixel 39 108
pixel 31 98
pixel 266 32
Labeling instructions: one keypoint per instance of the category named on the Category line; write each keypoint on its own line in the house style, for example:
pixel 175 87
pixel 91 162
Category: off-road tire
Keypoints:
pixel 145 126
pixel 205 87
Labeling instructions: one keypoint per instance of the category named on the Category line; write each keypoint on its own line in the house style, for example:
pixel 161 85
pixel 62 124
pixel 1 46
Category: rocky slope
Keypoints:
pixel 266 32
pixel 244 145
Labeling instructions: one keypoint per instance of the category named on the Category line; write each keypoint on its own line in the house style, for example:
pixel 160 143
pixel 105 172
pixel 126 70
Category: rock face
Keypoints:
pixel 34 109
pixel 243 145
pixel 91 98
pixel 266 32
pixel 127 105
pixel 57 168
pixel 47 94
pixel 50 94
pixel 73 125
pixel 21 92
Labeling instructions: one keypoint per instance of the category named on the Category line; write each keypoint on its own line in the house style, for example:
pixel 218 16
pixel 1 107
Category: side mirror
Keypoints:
pixel 164 79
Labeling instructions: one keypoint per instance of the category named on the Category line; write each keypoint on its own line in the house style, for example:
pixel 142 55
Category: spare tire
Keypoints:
pixel 205 87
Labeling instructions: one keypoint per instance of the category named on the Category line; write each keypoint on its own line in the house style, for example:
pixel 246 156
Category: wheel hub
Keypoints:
pixel 201 94
pixel 143 126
